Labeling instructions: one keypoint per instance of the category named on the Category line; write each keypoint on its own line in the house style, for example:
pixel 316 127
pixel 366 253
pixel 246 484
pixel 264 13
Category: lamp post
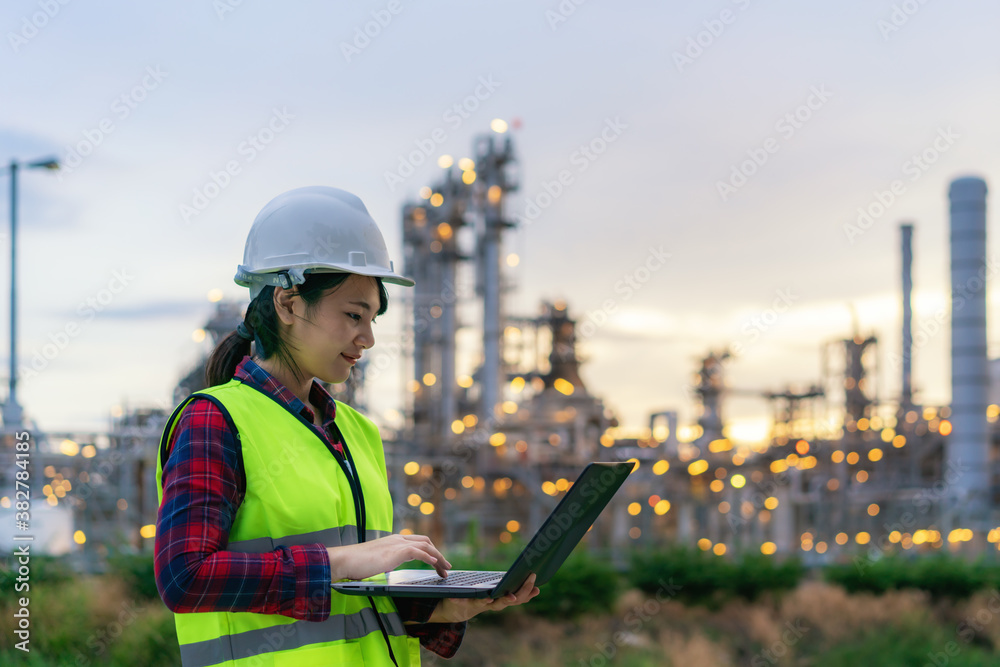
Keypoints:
pixel 12 413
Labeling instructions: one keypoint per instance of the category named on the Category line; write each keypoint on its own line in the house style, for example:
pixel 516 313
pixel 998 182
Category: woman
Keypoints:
pixel 270 489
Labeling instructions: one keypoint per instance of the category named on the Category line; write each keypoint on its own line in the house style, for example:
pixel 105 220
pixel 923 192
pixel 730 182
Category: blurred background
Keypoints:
pixel 741 243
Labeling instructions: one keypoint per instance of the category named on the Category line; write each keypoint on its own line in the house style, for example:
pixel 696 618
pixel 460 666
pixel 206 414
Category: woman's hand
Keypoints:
pixel 456 610
pixel 366 559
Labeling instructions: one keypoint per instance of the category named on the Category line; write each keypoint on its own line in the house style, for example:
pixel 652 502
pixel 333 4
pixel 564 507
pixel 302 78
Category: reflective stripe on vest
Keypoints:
pixel 331 537
pixel 291 636
pixel 298 494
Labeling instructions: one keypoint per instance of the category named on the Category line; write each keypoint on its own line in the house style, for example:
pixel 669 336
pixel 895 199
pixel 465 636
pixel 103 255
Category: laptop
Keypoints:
pixel 543 555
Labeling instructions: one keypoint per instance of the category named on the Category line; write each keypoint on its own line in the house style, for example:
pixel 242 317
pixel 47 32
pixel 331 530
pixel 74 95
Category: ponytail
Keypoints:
pixel 230 351
pixel 225 358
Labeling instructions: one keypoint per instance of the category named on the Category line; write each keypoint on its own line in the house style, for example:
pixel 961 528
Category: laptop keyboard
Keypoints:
pixel 459 579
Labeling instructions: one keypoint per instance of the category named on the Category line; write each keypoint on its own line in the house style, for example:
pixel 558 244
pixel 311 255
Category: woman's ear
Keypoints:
pixel 284 304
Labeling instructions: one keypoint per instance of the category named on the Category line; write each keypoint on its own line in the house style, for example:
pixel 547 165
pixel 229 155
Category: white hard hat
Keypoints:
pixel 311 230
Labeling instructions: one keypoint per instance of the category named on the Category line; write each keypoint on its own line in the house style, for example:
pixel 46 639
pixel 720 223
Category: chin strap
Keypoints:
pixel 286 278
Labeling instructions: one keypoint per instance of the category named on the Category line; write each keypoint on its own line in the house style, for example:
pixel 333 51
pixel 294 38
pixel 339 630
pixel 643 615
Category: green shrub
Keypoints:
pixel 710 580
pixel 701 578
pixel 756 574
pixel 583 585
pixel 863 576
pixel 946 577
pixel 942 576
pixel 137 572
pixel 151 641
pixel 905 645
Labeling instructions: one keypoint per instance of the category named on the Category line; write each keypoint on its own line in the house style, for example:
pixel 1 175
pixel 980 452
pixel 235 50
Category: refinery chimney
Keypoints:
pixel 967 471
pixel 907 397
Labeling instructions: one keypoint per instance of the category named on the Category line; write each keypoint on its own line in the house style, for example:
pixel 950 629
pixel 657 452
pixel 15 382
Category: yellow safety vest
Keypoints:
pixel 297 493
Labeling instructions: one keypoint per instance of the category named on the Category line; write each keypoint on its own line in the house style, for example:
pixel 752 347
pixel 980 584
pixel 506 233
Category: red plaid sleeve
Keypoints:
pixel 443 639
pixel 203 487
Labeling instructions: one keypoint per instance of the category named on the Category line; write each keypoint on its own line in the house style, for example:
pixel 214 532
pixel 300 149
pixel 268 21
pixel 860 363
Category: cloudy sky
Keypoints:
pixel 739 137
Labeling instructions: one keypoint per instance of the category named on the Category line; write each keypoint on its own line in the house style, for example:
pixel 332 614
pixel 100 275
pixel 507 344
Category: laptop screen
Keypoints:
pixel 566 525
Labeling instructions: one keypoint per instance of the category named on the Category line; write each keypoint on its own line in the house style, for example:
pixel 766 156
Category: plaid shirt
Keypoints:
pixel 203 486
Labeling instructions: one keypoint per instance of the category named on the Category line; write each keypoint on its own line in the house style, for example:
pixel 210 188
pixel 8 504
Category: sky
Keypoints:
pixel 734 141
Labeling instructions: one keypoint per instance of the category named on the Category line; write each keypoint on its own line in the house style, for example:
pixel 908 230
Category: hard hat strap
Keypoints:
pixel 286 278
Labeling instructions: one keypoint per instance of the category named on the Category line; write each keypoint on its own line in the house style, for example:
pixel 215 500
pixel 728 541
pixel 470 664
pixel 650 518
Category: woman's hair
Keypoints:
pixel 261 322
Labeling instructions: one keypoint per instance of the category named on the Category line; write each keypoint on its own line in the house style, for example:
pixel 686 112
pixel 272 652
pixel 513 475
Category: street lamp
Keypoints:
pixel 12 413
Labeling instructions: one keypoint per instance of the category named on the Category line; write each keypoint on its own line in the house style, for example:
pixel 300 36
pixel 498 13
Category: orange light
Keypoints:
pixel 698 467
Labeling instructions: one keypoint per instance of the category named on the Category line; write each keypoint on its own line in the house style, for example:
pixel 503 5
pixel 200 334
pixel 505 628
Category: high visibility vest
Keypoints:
pixel 297 493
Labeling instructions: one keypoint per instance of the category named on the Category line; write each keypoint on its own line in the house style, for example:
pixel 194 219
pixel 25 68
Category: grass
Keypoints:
pixel 109 620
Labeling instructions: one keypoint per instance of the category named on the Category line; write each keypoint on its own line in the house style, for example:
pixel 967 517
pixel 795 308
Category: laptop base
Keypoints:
pixel 392 584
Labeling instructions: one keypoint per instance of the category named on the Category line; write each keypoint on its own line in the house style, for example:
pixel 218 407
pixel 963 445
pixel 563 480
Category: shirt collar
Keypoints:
pixel 249 372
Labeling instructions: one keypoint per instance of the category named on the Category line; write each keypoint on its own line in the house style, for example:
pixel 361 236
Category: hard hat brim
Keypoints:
pixel 372 271
pixel 256 280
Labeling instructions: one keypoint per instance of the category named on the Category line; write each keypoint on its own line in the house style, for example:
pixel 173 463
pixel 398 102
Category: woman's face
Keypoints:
pixel 330 337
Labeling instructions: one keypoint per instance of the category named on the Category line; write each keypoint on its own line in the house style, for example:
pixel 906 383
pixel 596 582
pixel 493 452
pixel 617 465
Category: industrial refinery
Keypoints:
pixel 483 456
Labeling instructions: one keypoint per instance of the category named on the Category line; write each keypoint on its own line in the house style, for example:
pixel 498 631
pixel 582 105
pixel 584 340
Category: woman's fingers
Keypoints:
pixel 462 609
pixel 364 559
pixel 441 565
pixel 428 553
pixel 523 594
pixel 527 591
pixel 429 547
